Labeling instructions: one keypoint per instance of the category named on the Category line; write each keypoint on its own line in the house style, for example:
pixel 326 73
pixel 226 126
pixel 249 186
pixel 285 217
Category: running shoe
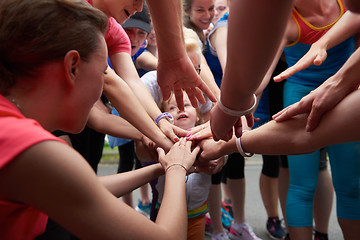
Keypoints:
pixel 320 236
pixel 143 209
pixel 226 219
pixel 245 232
pixel 220 236
pixel 287 237
pixel 208 226
pixel 274 229
pixel 227 206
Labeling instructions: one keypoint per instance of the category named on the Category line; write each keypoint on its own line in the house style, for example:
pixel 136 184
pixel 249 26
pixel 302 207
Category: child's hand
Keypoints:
pixel 171 131
pixel 199 132
pixel 180 153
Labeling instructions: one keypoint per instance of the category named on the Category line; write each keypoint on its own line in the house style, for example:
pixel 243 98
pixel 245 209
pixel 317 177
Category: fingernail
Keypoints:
pixel 188 138
pixel 187 135
pixel 176 139
pixel 189 129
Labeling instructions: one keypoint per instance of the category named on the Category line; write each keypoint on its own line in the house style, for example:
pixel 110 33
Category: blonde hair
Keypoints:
pixel 35 32
pixel 192 41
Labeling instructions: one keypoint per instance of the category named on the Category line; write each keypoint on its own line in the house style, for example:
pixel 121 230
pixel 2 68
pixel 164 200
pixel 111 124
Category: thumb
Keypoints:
pixel 160 152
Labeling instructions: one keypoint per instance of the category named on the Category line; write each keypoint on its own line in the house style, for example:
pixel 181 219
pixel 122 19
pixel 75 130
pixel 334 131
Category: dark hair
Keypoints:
pixel 35 32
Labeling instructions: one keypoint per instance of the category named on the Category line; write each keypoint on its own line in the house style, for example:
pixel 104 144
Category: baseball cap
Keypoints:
pixel 139 20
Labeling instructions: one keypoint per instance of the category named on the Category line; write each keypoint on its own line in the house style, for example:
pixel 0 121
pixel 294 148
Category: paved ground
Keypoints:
pixel 255 212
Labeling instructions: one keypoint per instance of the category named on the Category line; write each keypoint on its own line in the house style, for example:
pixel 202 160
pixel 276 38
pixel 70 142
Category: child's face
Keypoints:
pixel 201 13
pixel 184 119
pixel 121 10
pixel 137 37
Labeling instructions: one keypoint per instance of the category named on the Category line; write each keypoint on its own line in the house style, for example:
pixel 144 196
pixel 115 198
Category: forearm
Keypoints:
pixel 130 108
pixel 123 183
pixel 117 127
pixel 146 61
pixel 125 68
pixel 207 76
pixel 339 125
pixel 174 202
pixel 347 26
pixel 242 77
pixel 167 22
pixel 348 75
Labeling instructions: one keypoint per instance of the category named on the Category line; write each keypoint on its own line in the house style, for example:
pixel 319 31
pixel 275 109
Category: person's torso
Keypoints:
pixel 308 34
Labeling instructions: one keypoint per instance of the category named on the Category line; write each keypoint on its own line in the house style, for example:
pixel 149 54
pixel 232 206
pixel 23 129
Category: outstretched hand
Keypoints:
pixel 180 75
pixel 316 103
pixel 316 55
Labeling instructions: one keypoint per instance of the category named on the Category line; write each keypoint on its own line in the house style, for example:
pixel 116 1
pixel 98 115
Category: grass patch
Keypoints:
pixel 109 156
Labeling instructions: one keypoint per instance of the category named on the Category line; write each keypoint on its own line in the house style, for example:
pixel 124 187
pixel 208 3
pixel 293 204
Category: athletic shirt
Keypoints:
pixel 116 38
pixel 19 221
pixel 314 76
pixel 210 53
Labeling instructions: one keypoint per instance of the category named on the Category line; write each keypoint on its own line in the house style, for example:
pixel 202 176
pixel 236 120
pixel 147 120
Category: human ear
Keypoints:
pixel 71 66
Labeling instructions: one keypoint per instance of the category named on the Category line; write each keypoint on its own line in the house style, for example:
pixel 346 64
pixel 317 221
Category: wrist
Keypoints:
pixel 229 147
pixel 164 115
pixel 240 148
pixel 236 113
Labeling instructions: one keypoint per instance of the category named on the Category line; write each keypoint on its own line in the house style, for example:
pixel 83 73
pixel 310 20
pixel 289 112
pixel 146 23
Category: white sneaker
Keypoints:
pixel 245 232
pixel 220 236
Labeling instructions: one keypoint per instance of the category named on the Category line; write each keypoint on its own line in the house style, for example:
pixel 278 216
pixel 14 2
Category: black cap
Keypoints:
pixel 139 20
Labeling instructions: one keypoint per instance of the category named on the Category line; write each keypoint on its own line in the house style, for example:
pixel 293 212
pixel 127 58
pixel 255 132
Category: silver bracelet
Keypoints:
pixel 236 113
pixel 180 165
pixel 240 149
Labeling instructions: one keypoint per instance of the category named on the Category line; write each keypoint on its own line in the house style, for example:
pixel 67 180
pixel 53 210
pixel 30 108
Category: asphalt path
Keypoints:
pixel 255 211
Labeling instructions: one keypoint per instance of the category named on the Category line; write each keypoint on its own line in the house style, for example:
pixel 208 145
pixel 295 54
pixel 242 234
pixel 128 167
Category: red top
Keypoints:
pixel 308 33
pixel 17 133
pixel 116 38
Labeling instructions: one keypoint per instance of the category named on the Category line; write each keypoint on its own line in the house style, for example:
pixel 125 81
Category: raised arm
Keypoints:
pixel 175 71
pixel 347 26
pixel 242 77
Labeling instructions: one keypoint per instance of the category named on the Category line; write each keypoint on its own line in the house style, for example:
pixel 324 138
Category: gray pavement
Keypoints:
pixel 255 211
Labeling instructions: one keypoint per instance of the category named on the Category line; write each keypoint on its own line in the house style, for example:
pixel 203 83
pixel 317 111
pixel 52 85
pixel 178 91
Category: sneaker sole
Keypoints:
pixel 142 212
pixel 272 237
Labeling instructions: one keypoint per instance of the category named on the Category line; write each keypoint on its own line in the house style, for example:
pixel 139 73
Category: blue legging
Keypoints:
pixel 304 171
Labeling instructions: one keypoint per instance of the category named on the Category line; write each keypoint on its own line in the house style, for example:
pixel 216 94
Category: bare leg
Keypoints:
pixel 350 228
pixel 300 233
pixel 270 194
pixel 144 193
pixel 214 202
pixel 225 191
pixel 323 201
pixel 283 189
pixel 237 192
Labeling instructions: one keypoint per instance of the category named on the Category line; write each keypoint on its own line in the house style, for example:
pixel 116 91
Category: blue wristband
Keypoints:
pixel 166 115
